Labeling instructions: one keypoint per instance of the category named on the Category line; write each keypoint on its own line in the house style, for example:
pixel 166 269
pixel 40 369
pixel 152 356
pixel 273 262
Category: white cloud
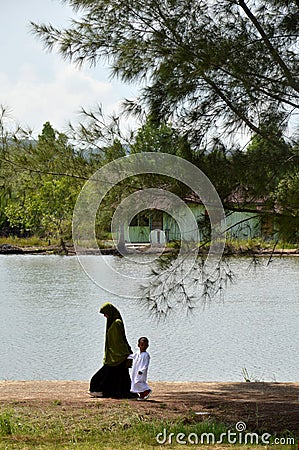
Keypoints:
pixel 35 101
pixel 38 86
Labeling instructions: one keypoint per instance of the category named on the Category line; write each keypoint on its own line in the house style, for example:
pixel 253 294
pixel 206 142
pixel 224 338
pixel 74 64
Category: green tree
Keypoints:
pixel 161 137
pixel 266 165
pixel 40 180
pixel 287 193
pixel 212 66
pixel 219 164
pixel 286 201
pixel 42 206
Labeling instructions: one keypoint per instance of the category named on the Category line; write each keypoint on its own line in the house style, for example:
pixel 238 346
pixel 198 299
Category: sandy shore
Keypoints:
pixel 271 406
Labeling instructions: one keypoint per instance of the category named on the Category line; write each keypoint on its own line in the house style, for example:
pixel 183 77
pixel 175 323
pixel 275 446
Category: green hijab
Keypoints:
pixel 117 348
pixel 112 313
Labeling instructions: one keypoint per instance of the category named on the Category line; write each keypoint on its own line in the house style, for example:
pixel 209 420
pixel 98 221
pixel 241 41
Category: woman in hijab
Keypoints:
pixel 113 379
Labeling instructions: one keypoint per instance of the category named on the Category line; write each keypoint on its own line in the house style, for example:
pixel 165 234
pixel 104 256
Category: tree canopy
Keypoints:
pixel 39 182
pixel 212 66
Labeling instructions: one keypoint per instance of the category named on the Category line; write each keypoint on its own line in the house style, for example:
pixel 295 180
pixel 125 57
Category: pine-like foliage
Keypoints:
pixel 212 66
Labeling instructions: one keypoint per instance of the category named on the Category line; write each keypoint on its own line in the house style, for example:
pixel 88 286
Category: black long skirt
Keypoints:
pixel 112 381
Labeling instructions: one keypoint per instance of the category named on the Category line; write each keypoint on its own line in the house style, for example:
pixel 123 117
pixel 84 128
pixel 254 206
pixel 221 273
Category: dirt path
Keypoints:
pixel 273 407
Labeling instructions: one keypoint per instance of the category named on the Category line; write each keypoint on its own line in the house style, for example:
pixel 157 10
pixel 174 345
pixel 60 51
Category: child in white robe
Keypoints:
pixel 141 360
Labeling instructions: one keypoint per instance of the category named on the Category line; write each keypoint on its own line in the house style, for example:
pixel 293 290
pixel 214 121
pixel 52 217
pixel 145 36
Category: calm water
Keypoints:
pixel 50 327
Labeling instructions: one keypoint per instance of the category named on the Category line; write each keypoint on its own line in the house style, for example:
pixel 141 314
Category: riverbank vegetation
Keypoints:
pixel 41 180
pixel 232 73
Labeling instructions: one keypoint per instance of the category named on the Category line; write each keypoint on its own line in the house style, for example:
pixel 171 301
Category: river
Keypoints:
pixel 50 327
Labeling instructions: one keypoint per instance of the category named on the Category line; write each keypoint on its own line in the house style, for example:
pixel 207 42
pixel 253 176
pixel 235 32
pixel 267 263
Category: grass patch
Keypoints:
pixel 59 426
pixel 233 245
pixel 33 241
pixel 257 244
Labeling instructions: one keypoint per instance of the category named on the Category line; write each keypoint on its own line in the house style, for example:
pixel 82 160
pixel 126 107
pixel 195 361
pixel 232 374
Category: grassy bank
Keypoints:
pixel 232 247
pixel 33 241
pixel 58 426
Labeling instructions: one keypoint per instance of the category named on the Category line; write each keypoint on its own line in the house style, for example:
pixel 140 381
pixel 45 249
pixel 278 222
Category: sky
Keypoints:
pixel 37 86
